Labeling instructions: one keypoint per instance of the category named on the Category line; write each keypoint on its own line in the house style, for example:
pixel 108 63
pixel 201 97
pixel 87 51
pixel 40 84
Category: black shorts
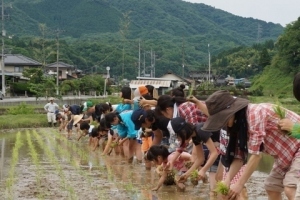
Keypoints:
pixel 70 125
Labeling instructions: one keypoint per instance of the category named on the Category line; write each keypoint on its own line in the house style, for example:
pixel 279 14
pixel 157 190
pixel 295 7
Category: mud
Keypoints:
pixel 67 169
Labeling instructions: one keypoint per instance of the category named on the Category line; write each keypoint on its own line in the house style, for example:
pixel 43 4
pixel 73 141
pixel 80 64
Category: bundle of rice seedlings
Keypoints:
pixel 222 188
pixel 188 164
pixel 280 111
pixel 194 177
pixel 113 144
pixel 170 180
pixel 191 91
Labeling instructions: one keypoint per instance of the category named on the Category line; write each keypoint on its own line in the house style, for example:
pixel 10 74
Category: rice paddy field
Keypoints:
pixel 42 164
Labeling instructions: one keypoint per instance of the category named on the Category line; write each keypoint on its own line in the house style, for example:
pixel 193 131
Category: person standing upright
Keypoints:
pixel 50 108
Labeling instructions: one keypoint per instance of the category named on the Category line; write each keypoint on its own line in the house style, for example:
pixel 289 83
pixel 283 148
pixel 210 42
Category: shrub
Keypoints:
pixel 22 109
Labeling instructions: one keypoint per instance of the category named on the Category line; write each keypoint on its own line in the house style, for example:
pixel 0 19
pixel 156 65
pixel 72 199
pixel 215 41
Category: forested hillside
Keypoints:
pixel 98 33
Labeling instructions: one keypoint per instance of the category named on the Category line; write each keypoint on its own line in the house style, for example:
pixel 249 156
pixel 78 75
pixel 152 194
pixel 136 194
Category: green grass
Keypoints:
pixel 23 121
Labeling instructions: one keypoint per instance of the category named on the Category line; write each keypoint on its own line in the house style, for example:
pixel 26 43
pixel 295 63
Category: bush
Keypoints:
pixel 21 109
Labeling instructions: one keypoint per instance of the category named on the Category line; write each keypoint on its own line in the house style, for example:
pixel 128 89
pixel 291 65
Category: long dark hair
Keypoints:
pixel 186 132
pixel 126 92
pixel 109 118
pixel 155 151
pixel 178 92
pixel 166 101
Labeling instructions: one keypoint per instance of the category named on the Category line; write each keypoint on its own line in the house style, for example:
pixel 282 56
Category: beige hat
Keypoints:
pixel 77 118
pixel 51 99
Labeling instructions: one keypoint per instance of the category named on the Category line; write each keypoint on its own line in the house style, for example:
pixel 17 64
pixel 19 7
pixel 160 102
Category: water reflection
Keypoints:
pixel 115 177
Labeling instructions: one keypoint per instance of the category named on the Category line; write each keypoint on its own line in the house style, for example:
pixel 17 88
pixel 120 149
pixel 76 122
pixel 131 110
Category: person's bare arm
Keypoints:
pixel 249 169
pixel 158 135
pixel 107 147
pixel 161 180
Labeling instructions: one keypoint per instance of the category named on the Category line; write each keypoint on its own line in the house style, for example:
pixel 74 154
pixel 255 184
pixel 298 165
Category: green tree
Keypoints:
pixel 264 58
pixel 289 47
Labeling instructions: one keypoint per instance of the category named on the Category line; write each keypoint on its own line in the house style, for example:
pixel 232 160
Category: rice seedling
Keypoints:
pixel 221 188
pixel 52 157
pixel 194 177
pixel 35 160
pixel 279 110
pixel 11 174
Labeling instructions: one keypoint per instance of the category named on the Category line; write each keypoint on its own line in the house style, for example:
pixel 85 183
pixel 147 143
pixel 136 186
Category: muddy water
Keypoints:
pixel 42 164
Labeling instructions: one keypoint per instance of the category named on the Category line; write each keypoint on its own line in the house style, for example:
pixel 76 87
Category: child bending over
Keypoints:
pixel 160 155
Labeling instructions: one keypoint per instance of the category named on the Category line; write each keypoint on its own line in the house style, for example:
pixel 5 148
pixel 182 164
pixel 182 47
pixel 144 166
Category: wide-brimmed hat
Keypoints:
pixel 296 86
pixel 51 99
pixel 77 118
pixel 221 105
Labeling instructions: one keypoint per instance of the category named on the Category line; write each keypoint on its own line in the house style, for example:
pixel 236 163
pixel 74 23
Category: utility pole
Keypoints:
pixel 154 64
pixel 208 64
pixel 182 57
pixel 2 52
pixel 139 65
pixel 3 33
pixel 144 63
pixel 58 31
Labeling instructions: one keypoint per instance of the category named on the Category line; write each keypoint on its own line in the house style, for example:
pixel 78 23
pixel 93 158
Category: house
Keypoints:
pixel 14 65
pixel 200 76
pixel 65 71
pixel 162 84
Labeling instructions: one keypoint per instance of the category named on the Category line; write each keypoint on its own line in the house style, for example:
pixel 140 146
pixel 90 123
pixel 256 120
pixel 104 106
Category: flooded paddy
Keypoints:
pixel 43 164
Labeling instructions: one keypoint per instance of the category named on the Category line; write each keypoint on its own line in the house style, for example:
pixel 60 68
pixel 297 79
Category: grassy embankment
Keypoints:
pixel 25 116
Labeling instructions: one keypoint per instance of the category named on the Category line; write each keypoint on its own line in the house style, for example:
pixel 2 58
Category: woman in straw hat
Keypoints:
pixel 76 119
pixel 254 128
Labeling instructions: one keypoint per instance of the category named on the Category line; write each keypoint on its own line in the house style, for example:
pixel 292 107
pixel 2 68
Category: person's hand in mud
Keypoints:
pixel 286 124
pixel 155 189
pixel 234 191
pixel 201 175
pixel 183 178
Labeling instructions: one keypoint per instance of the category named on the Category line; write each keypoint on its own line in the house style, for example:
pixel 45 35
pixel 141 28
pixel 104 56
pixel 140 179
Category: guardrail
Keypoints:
pixel 42 101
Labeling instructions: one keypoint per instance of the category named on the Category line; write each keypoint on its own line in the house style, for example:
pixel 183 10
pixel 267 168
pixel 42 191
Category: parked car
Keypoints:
pixel 1 96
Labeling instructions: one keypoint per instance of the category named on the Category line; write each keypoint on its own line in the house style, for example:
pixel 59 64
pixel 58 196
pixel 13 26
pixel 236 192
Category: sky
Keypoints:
pixel 276 11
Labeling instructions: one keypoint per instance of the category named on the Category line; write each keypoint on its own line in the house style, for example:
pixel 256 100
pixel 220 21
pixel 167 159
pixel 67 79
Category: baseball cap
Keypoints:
pixel 176 124
pixel 138 117
pixel 87 105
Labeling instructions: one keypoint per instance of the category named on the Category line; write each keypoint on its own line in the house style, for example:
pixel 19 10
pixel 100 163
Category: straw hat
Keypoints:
pixel 51 99
pixel 221 105
pixel 77 118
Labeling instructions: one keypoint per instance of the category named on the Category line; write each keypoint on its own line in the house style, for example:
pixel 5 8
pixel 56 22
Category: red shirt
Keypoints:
pixel 263 129
pixel 190 112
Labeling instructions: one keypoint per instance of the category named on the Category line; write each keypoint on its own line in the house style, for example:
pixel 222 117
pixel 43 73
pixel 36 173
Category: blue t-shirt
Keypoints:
pixel 122 107
pixel 75 109
pixel 136 105
pixel 126 128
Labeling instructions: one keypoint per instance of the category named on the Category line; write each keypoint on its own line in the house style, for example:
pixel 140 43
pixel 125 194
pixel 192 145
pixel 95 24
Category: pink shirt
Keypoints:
pixel 179 163
pixel 263 129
